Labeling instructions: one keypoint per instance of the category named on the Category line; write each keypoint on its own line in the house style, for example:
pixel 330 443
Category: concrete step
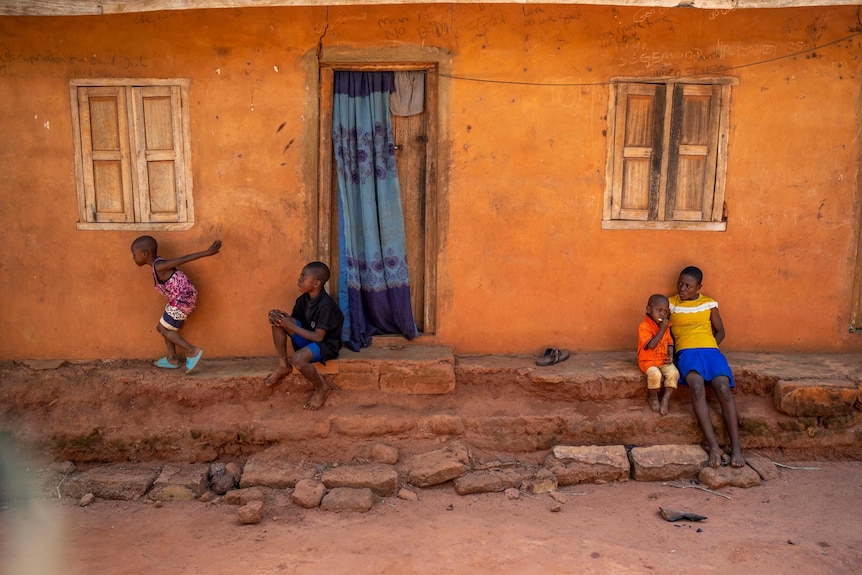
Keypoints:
pixel 132 411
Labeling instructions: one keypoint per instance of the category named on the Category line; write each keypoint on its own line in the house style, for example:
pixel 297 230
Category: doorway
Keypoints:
pixel 415 139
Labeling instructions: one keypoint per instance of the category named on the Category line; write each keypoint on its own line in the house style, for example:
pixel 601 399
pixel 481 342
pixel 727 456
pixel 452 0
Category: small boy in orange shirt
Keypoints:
pixel 655 353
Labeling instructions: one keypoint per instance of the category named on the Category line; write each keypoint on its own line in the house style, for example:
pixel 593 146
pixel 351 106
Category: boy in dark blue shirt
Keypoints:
pixel 313 329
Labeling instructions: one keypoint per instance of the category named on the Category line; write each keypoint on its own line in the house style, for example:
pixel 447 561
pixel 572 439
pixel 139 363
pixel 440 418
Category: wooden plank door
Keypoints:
pixel 410 144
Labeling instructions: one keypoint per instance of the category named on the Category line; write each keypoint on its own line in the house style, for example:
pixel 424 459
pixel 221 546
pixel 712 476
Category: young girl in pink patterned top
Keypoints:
pixel 182 297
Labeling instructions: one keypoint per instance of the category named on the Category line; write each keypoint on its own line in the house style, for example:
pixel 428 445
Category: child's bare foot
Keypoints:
pixel 317 398
pixel 715 457
pixel 278 374
pixel 665 401
pixel 736 458
pixel 653 401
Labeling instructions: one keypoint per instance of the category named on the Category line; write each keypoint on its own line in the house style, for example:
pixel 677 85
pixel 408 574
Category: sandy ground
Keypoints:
pixel 807 521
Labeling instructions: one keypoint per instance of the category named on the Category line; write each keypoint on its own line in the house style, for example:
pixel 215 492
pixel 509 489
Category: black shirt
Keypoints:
pixel 321 313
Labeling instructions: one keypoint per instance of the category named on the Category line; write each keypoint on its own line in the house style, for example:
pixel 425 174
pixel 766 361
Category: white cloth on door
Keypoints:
pixel 408 98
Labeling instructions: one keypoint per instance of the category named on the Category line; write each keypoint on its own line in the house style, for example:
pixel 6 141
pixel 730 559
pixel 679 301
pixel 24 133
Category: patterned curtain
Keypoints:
pixel 373 286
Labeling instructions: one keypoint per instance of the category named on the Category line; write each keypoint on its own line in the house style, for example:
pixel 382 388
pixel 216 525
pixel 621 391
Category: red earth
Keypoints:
pixel 807 521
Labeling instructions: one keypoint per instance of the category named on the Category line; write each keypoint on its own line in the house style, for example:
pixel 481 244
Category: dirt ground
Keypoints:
pixel 807 521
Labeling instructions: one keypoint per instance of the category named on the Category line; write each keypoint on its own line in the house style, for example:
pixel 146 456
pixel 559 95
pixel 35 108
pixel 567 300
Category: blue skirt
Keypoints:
pixel 709 362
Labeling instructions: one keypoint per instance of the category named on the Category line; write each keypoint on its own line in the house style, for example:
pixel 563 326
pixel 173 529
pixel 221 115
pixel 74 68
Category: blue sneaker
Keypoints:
pixel 165 364
pixel 192 361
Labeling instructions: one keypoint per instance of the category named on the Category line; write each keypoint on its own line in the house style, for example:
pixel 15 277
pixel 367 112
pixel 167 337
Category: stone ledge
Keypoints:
pixel 588 464
pixel 667 462
pixel 815 398
pixel 453 463
pixel 407 369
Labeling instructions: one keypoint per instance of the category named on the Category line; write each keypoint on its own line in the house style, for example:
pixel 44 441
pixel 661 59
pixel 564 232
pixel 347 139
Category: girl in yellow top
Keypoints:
pixel 697 330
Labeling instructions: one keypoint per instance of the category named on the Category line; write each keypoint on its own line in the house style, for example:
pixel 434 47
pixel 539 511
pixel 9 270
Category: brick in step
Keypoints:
pixel 763 466
pixel 380 478
pixel 588 464
pixel 667 462
pixel 348 499
pixel 271 468
pixel 815 398
pixel 124 482
pixel 439 466
pixel 308 493
pixel 183 482
pixel 420 370
pixel 487 481
pixel 716 478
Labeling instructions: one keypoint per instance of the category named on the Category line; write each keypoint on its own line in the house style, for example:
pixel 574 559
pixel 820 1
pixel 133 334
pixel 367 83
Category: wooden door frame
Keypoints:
pixel 324 169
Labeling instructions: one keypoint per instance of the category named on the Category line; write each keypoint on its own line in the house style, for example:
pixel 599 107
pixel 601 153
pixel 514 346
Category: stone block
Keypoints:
pixel 270 469
pixel 123 482
pixel 442 424
pixel 308 493
pixel 815 398
pixel 224 477
pixel 487 482
pixel 181 482
pixel 440 466
pixel 347 499
pixel 243 496
pixel 419 377
pixel 382 453
pixel 250 513
pixel 716 478
pixel 589 464
pixel 407 494
pixel 381 479
pixel 356 374
pixel 544 482
pixel 763 466
pixel 667 462
pixel 399 369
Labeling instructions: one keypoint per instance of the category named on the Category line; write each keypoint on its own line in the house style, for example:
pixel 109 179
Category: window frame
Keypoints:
pixel 132 157
pixel 668 115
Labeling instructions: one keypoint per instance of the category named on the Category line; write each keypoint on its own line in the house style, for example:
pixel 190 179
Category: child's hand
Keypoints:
pixel 214 248
pixel 275 317
pixel 282 320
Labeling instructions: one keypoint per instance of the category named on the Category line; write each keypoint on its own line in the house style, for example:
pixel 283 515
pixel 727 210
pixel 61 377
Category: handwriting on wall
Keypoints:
pixel 53 65
pixel 436 28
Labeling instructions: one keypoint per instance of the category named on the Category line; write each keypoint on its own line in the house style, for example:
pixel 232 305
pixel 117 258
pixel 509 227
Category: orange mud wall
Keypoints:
pixel 523 262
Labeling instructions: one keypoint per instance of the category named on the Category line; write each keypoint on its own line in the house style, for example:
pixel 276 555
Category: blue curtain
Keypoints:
pixel 373 286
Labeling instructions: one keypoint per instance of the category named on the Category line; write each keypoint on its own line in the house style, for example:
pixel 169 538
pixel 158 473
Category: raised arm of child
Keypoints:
pixel 165 265
pixel 657 337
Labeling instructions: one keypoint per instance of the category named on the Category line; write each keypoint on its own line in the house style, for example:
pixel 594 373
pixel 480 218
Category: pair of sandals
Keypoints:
pixel 553 355
pixel 191 362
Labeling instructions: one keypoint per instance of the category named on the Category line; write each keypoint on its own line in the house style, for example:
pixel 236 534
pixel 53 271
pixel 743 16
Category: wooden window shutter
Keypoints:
pixel 159 155
pixel 638 141
pixel 106 169
pixel 692 153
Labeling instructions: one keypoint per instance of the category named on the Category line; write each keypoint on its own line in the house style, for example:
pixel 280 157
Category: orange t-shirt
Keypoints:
pixel 657 355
